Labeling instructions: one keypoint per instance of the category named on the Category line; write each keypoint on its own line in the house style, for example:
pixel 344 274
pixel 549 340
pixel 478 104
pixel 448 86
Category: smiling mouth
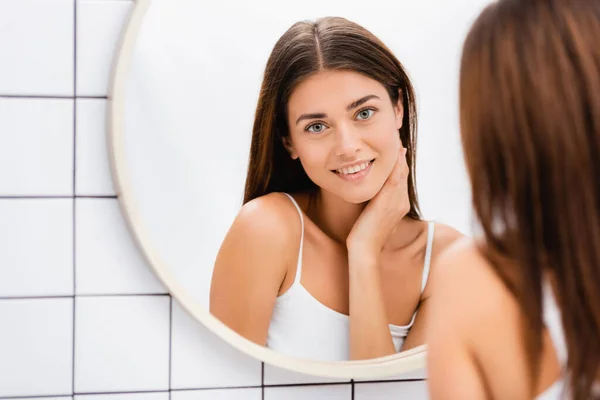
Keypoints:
pixel 354 170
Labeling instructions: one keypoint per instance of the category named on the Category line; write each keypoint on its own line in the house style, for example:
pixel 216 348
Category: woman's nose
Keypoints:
pixel 348 142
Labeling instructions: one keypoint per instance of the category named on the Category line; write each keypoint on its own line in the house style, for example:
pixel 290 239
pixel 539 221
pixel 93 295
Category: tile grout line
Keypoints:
pixel 352 389
pixel 31 197
pixel 198 389
pixel 74 188
pixel 72 296
pixel 49 97
pixel 262 379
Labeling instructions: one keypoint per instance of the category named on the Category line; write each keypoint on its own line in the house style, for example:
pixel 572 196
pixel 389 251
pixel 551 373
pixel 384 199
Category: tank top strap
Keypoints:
pixel 553 322
pixel 428 249
pixel 299 264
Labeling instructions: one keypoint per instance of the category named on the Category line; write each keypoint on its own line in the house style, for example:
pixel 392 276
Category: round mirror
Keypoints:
pixel 202 184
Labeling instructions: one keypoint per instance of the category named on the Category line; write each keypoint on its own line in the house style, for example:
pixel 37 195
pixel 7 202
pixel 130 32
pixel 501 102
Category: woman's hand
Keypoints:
pixel 370 335
pixel 381 216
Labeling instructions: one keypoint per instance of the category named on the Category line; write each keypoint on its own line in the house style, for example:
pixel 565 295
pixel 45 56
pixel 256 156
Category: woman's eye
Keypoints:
pixel 365 114
pixel 316 128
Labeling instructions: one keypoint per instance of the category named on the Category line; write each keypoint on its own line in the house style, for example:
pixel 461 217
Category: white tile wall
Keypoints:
pixel 36 145
pixel 106 258
pixel 320 392
pixel 82 315
pixel 390 390
pixel 45 225
pixel 36 343
pixel 99 24
pixel 43 398
pixel 92 165
pixel 124 396
pixel 36 50
pixel 219 394
pixel 122 343
pixel 201 360
pixel 280 376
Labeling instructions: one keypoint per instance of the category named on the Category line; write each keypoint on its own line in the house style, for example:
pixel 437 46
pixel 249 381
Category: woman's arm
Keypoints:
pixel 452 371
pixel 250 268
pixel 370 335
pixel 445 236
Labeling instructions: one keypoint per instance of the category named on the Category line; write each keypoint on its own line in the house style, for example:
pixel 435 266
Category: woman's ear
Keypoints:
pixel 399 110
pixel 289 147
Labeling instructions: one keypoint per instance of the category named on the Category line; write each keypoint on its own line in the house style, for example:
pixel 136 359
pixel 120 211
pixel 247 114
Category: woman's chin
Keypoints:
pixel 359 195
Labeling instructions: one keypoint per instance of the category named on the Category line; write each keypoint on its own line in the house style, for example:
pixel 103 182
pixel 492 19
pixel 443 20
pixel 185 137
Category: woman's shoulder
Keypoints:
pixel 461 261
pixel 465 278
pixel 272 217
pixel 276 207
pixel 444 237
pixel 264 235
pixel 473 316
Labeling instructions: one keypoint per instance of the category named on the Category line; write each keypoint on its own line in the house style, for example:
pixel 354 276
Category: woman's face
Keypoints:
pixel 344 129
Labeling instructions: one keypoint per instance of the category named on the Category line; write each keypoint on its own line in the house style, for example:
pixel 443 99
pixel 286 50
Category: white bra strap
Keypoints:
pixel 299 264
pixel 430 235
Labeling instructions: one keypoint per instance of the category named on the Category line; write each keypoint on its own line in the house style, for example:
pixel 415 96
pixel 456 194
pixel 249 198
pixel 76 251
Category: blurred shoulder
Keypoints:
pixel 463 279
pixel 444 237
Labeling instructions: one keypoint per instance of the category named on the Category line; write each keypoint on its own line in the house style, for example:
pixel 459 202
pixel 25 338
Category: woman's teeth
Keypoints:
pixel 354 169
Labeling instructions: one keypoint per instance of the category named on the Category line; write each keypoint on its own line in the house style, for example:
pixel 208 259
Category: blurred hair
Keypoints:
pixel 530 129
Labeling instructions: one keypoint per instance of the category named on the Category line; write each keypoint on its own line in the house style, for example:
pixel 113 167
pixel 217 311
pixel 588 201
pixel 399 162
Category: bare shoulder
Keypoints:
pixel 269 225
pixel 252 264
pixel 269 221
pixel 466 286
pixel 471 304
pixel 473 332
pixel 273 212
pixel 444 236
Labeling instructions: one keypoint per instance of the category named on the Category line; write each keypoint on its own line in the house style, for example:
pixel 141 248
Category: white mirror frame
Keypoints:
pixel 389 366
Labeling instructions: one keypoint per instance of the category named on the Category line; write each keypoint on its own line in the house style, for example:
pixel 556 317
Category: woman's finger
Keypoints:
pixel 396 178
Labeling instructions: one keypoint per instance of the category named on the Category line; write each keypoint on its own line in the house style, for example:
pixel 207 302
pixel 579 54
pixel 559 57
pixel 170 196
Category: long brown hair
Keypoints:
pixel 331 43
pixel 530 128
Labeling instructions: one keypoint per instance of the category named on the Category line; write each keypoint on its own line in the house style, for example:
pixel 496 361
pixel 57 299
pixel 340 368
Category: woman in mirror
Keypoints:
pixel 329 256
pixel 516 313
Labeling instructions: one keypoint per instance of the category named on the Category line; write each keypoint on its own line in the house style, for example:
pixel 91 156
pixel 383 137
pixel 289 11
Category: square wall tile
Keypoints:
pixel 316 392
pixel 100 24
pixel 36 145
pixel 42 398
pixel 201 359
pixel 37 247
pixel 391 390
pixel 38 59
pixel 281 376
pixel 36 343
pixel 93 177
pixel 218 394
pixel 121 344
pixel 124 396
pixel 417 374
pixel 107 258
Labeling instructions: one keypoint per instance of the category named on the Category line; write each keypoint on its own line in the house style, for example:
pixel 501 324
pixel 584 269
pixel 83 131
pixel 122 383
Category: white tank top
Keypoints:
pixel 553 322
pixel 302 326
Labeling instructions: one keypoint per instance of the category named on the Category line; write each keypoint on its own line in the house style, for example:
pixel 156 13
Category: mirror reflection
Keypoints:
pixel 272 155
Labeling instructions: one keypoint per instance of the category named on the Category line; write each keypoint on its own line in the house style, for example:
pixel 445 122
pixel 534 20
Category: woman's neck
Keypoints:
pixel 336 217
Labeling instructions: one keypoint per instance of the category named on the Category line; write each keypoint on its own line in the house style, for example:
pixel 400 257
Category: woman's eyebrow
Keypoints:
pixel 354 104
pixel 361 101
